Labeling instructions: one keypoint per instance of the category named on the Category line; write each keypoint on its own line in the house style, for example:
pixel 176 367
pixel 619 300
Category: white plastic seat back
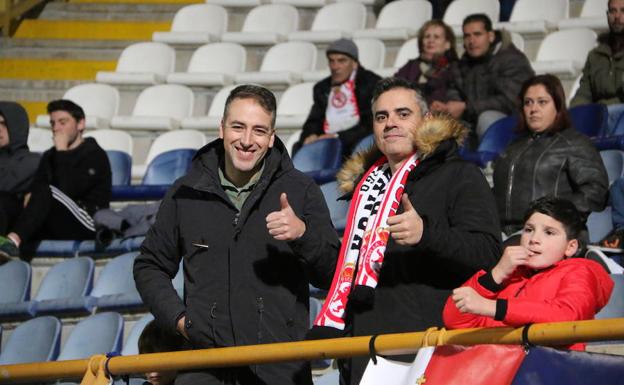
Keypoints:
pixel 408 51
pixel 174 140
pixel 594 8
pixel 218 102
pixel 573 89
pixel 39 139
pixel 517 40
pixel 531 10
pixel 201 18
pixel 347 16
pixel 297 99
pixel 371 52
pixel 459 9
pixel 166 100
pixel 280 18
pixel 147 57
pixel 295 56
pixel 99 100
pixel 571 44
pixel 404 14
pixel 218 57
pixel 112 140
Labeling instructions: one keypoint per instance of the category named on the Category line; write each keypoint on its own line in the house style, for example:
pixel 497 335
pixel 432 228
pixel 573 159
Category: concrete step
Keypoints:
pixel 108 11
pixel 15 51
pixel 47 69
pixel 90 30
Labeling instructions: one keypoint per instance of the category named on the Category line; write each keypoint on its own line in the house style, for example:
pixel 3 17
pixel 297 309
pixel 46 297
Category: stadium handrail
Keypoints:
pixel 97 368
pixel 13 10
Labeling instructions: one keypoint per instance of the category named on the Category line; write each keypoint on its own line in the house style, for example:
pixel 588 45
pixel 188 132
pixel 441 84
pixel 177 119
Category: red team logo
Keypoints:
pixel 339 99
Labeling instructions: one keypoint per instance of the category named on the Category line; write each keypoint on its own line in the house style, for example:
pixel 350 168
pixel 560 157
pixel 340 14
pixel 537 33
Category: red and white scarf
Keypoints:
pixel 376 198
pixel 342 110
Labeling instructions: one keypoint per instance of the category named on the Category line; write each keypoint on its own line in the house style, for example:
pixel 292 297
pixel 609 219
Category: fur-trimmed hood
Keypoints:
pixel 434 129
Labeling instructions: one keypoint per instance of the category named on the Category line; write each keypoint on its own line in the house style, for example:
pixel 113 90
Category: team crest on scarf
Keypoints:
pixel 376 198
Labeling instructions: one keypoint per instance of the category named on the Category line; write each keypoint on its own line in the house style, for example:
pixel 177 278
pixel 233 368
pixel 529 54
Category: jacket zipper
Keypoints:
pixel 260 304
pixel 510 178
pixel 213 316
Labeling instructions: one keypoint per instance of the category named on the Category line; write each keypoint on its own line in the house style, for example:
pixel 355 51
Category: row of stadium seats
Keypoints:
pixel 398 20
pixel 289 63
pixel 68 289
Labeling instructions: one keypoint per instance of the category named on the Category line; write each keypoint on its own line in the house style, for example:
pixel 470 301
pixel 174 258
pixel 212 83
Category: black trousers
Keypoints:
pixel 10 208
pixel 50 214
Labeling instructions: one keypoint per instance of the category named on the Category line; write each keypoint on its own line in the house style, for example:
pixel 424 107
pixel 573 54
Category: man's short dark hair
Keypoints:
pixel 261 95
pixel 387 84
pixel 479 17
pixel 561 210
pixel 154 339
pixel 68 106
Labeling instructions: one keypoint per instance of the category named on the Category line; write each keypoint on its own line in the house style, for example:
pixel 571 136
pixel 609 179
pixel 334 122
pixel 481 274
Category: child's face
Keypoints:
pixel 546 241
pixel 161 378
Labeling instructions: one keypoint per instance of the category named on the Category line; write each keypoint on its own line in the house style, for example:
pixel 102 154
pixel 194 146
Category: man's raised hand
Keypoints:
pixel 284 225
pixel 407 227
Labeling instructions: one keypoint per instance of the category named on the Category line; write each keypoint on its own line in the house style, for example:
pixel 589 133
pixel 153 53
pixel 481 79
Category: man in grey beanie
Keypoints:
pixel 342 101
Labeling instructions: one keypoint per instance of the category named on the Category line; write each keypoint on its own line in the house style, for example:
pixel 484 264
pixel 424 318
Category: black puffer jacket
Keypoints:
pixel 491 82
pixel 246 287
pixel 563 164
pixel 365 82
pixel 461 236
pixel 17 164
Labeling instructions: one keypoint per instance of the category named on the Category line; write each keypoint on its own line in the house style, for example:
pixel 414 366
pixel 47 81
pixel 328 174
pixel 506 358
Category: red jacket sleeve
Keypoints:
pixel 583 290
pixel 454 319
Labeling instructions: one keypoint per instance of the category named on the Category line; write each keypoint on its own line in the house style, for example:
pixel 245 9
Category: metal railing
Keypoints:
pixel 96 370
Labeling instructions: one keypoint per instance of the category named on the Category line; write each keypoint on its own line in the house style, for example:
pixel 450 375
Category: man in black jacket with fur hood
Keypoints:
pixel 252 233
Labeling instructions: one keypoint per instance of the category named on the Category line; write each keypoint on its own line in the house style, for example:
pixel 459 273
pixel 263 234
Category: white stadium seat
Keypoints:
pixel 332 22
pixel 458 10
pixel 536 16
pixel 294 106
pixel 212 120
pixel 564 52
pixel 398 20
pixel 157 108
pixel 282 64
pixel 195 24
pixel 407 52
pixel 593 15
pixel 141 63
pixel 266 24
pixel 113 140
pixel 204 70
pixel 100 103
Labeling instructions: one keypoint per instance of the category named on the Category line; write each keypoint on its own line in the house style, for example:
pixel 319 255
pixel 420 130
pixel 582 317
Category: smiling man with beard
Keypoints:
pixel 252 233
pixel 603 74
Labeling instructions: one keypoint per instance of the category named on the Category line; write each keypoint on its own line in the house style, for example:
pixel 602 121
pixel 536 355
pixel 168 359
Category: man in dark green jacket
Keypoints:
pixel 603 74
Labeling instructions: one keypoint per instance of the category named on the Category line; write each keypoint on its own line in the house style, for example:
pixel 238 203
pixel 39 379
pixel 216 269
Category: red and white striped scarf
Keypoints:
pixel 376 198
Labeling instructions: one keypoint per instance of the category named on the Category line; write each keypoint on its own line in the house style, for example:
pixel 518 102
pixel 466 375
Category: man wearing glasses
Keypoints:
pixel 252 232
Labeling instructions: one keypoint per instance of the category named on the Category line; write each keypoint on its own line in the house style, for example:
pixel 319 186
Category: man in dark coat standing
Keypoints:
pixel 342 100
pixel 445 227
pixel 252 233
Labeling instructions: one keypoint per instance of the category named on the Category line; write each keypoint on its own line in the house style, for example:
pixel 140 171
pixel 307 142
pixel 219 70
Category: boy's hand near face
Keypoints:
pixel 468 300
pixel 513 256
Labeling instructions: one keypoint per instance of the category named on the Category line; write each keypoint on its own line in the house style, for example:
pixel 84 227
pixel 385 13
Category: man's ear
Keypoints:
pixel 82 125
pixel 491 36
pixel 221 128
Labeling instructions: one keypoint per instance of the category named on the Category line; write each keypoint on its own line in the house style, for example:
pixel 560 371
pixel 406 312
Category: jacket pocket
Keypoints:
pixel 201 332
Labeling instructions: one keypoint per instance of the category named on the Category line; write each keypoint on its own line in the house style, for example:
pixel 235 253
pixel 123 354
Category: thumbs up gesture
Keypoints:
pixel 406 228
pixel 284 225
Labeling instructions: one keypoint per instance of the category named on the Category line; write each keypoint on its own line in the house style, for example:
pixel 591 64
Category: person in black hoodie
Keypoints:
pixel 17 164
pixel 72 182
pixel 252 232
